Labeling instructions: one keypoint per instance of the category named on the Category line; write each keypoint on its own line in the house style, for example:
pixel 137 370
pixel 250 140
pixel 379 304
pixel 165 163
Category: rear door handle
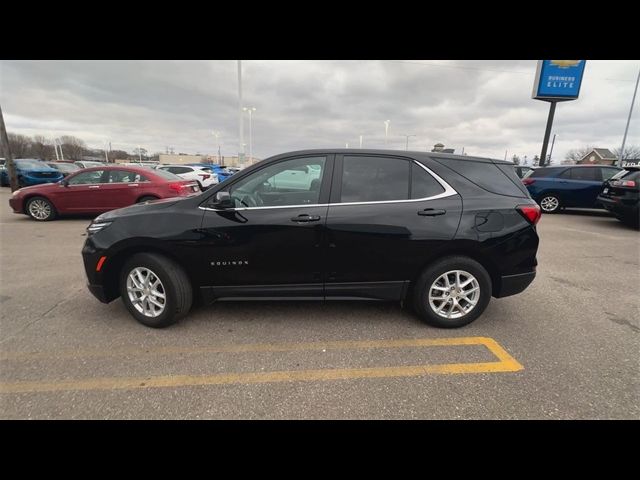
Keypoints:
pixel 94 186
pixel 306 218
pixel 431 212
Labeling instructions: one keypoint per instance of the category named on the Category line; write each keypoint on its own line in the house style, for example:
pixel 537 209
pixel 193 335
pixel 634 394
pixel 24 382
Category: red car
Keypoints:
pixel 97 190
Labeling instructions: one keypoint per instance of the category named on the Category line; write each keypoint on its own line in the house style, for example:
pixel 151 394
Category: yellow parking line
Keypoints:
pixel 250 348
pixel 506 363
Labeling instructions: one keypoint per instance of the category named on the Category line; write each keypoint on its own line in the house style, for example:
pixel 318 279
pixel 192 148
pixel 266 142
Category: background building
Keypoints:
pixel 600 156
pixel 229 161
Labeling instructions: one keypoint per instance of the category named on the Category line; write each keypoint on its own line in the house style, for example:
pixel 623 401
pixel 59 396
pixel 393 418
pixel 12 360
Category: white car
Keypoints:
pixel 203 175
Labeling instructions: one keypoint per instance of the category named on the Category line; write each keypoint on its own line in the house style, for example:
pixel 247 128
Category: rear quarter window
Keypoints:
pixel 495 178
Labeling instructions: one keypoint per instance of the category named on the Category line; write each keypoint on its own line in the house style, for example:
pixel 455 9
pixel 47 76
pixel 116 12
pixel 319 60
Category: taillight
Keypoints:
pixel 204 175
pixel 624 183
pixel 528 181
pixel 177 187
pixel 530 212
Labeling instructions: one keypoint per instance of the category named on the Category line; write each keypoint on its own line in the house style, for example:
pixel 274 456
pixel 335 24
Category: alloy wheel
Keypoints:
pixel 454 294
pixel 549 204
pixel 40 209
pixel 146 292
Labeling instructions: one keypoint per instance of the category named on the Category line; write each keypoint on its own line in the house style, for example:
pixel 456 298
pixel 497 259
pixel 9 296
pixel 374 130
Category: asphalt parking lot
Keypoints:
pixel 568 347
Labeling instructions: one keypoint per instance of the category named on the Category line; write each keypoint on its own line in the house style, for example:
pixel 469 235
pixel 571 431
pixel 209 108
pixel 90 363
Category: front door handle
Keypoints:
pixel 306 218
pixel 431 212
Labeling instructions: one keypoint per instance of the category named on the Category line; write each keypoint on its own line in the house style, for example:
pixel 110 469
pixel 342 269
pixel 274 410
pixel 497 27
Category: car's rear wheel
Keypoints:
pixel 147 198
pixel 40 209
pixel 452 292
pixel 155 290
pixel 550 203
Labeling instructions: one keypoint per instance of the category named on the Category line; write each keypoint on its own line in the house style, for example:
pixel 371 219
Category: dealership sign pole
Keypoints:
pixel 556 81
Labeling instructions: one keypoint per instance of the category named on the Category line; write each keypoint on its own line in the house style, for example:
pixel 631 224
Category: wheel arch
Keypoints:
pixel 463 248
pixel 29 196
pixel 114 264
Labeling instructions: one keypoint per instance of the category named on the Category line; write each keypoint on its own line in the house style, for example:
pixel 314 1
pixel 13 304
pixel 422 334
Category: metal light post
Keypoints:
pixel 250 110
pixel 386 132
pixel 106 157
pixel 624 138
pixel 139 154
pixel 60 145
pixel 548 162
pixel 360 141
pixel 216 134
pixel 240 119
pixel 407 137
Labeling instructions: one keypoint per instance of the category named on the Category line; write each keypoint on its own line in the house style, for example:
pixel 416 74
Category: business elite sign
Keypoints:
pixel 558 80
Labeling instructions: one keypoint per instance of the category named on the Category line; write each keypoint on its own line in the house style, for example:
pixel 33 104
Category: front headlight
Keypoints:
pixel 95 227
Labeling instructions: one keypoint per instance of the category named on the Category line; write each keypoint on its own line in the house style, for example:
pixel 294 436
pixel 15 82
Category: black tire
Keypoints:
pixel 630 220
pixel 431 274
pixel 175 283
pixel 45 204
pixel 550 200
pixel 146 199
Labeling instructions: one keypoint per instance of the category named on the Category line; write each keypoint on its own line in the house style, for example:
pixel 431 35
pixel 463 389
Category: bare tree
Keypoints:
pixel 576 154
pixel 73 147
pixel 631 152
pixel 515 159
pixel 19 145
pixel 42 148
pixel 536 161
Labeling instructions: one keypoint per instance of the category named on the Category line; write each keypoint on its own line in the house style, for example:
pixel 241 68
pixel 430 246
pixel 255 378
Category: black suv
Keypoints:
pixel 446 232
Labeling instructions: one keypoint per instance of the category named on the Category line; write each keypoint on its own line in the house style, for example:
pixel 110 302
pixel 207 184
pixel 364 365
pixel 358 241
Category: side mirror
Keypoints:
pixel 223 200
pixel 64 182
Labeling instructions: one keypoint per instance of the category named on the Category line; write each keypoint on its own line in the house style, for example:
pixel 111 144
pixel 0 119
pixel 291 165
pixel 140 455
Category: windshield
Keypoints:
pixel 92 164
pixel 64 167
pixel 30 164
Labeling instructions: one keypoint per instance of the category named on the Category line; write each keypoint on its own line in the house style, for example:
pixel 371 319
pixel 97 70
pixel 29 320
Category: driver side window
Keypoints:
pixel 87 178
pixel 290 182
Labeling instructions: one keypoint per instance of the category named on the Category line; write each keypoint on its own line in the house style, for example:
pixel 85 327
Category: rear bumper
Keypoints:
pixel 617 206
pixel 514 284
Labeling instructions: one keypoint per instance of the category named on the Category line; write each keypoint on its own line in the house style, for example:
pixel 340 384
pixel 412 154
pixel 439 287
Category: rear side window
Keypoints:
pixel 544 172
pixel 586 174
pixel 125 176
pixel 374 179
pixel 423 185
pixel 488 176
pixel 161 172
pixel 607 173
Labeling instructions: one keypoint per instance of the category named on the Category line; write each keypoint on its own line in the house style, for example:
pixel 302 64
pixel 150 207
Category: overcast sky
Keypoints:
pixel 483 106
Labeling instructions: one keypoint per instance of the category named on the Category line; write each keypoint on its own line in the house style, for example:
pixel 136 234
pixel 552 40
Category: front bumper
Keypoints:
pixel 16 205
pixel 514 284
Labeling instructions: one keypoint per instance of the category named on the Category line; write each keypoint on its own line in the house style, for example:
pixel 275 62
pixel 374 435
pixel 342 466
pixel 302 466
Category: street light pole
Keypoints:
pixel 548 162
pixel 250 110
pixel 386 132
pixel 60 145
pixel 624 138
pixel 241 120
pixel 360 141
pixel 407 137
pixel 216 134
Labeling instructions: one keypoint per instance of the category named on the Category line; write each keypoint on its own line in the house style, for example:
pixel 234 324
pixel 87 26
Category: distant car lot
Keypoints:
pixel 64 355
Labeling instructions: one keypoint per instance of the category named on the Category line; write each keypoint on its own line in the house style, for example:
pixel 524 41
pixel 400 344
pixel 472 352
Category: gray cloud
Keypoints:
pixel 483 106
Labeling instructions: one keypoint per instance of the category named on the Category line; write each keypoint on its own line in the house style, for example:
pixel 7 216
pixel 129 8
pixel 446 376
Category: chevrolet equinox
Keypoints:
pixel 442 232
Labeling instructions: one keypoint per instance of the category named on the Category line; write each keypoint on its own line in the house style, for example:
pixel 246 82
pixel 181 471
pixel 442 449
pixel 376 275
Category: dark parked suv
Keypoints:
pixel 443 232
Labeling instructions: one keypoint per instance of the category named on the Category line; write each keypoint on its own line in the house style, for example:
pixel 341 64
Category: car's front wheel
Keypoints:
pixel 155 290
pixel 40 209
pixel 550 203
pixel 452 292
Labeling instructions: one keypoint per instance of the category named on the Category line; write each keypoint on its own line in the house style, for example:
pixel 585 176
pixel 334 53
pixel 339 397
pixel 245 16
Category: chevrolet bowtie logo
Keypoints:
pixel 566 63
pixel 227 263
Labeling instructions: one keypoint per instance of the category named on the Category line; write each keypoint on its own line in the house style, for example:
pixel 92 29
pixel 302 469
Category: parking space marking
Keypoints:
pixel 505 363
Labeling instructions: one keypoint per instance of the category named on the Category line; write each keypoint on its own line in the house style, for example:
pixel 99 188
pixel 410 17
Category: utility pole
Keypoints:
pixel 250 111
pixel 505 155
pixel 386 132
pixel 360 141
pixel 11 168
pixel 240 119
pixel 624 138
pixel 139 154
